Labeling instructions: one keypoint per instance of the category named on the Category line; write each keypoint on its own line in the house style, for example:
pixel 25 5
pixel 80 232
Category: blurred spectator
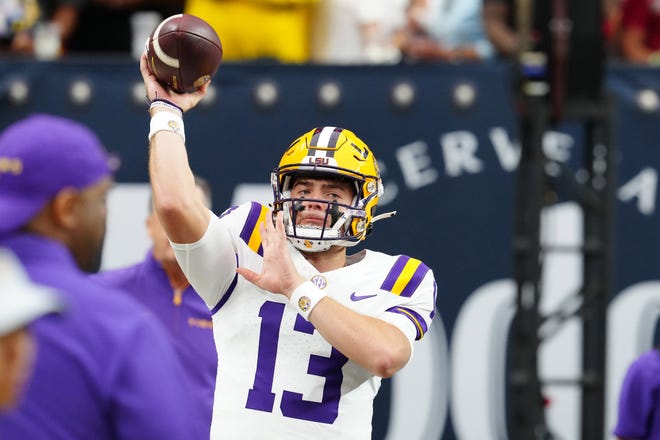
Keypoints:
pixel 278 30
pixel 159 283
pixel 499 20
pixel 12 16
pixel 500 24
pixel 16 16
pixel 105 369
pixel 21 303
pixel 446 30
pixel 92 26
pixel 639 409
pixel 105 25
pixel 354 32
pixel 612 26
pixel 640 31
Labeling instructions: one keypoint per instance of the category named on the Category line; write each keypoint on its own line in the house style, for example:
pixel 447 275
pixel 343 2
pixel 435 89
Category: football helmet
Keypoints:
pixel 331 153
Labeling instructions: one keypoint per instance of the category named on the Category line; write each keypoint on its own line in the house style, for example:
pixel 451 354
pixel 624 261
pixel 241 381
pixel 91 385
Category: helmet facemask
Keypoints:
pixel 331 154
pixel 342 224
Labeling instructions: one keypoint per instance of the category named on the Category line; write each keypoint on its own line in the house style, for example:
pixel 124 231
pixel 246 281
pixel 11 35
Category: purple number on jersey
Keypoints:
pixel 261 397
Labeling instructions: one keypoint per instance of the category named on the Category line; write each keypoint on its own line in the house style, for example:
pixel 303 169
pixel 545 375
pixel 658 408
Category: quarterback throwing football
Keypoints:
pixel 304 331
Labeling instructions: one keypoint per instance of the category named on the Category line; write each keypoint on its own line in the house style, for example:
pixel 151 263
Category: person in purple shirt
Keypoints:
pixel 104 368
pixel 159 283
pixel 639 408
pixel 21 303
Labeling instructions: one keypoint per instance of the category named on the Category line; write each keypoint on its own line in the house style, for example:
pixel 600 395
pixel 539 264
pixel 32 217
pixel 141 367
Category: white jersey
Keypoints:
pixel 277 377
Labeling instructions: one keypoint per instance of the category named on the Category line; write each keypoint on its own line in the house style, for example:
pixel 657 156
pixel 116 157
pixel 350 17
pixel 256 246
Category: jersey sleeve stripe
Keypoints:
pixel 415 317
pixel 396 270
pixel 418 272
pixel 250 233
pixel 405 276
pixel 435 298
pixel 226 296
pixel 251 222
pixel 255 238
pixel 228 211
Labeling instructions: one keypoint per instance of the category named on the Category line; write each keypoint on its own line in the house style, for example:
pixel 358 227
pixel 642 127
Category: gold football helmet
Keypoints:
pixel 330 153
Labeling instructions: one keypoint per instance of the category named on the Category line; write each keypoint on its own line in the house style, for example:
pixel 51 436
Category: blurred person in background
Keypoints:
pixel 639 32
pixel 254 30
pixel 159 283
pixel 612 27
pixel 639 409
pixel 358 32
pixel 90 26
pixel 105 369
pixel 445 30
pixel 21 303
pixel 499 18
pixel 16 17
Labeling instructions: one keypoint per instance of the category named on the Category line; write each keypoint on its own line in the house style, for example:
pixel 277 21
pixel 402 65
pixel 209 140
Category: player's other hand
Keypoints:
pixel 278 274
pixel 156 90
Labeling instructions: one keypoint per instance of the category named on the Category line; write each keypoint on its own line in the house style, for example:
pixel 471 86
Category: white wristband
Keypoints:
pixel 166 121
pixel 305 298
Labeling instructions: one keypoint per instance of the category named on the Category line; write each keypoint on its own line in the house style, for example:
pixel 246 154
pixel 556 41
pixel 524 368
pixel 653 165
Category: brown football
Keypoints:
pixel 184 52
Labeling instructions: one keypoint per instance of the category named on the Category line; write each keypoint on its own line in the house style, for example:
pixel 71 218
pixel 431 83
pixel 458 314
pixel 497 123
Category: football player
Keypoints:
pixel 304 331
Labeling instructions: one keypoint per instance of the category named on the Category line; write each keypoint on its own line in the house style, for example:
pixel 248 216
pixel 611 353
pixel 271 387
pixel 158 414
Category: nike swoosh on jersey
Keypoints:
pixel 355 297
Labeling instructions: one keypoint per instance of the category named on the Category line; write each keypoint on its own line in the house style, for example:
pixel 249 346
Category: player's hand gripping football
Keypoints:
pixel 155 90
pixel 278 274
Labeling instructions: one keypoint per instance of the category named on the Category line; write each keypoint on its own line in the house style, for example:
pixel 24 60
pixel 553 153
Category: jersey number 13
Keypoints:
pixel 261 396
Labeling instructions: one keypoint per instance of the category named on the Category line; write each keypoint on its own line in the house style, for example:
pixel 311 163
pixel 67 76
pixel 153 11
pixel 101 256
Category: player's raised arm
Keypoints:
pixel 183 215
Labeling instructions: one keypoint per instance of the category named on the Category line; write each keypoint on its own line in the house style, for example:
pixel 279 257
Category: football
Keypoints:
pixel 184 52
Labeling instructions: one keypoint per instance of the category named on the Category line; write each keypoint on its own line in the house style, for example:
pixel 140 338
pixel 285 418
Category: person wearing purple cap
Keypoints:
pixel 639 410
pixel 159 283
pixel 105 369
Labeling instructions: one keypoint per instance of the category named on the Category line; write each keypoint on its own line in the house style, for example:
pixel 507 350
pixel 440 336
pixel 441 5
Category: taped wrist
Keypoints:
pixel 305 298
pixel 166 121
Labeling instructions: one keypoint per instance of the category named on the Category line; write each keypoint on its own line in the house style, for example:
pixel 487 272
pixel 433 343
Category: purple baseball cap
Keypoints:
pixel 39 156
